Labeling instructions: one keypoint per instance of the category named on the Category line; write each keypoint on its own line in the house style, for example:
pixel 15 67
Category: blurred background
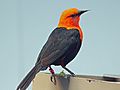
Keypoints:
pixel 26 24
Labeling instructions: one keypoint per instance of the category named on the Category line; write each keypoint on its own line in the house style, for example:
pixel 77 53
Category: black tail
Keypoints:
pixel 27 80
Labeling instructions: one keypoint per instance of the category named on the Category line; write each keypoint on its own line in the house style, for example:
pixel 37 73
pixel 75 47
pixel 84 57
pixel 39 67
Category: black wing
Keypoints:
pixel 59 42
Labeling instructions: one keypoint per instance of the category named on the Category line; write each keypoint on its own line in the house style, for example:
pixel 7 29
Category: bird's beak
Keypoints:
pixel 81 12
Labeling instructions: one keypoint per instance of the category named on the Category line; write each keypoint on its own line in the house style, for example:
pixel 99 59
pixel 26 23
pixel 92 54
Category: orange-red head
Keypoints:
pixel 70 19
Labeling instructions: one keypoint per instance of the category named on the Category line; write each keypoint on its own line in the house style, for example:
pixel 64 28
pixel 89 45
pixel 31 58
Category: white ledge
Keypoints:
pixel 79 82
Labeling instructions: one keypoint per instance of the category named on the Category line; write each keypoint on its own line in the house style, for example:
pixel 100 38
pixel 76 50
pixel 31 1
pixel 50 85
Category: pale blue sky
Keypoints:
pixel 26 24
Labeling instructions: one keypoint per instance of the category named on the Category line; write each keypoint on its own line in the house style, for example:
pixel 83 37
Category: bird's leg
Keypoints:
pixel 51 70
pixel 53 75
pixel 69 71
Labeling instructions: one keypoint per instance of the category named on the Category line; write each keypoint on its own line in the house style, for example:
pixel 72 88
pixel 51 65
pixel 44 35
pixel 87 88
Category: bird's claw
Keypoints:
pixel 53 77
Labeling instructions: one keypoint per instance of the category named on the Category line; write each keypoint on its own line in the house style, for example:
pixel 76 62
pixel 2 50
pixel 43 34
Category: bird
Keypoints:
pixel 62 46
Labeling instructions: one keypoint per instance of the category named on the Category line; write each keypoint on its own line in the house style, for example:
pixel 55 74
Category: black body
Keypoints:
pixel 61 48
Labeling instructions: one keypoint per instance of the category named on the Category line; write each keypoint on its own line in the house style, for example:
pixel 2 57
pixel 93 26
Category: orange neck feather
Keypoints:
pixel 71 24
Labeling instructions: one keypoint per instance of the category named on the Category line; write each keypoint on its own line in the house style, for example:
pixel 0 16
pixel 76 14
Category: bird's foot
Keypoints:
pixel 53 79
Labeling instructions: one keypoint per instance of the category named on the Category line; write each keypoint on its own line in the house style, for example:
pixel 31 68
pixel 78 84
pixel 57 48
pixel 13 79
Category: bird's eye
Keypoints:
pixel 73 15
